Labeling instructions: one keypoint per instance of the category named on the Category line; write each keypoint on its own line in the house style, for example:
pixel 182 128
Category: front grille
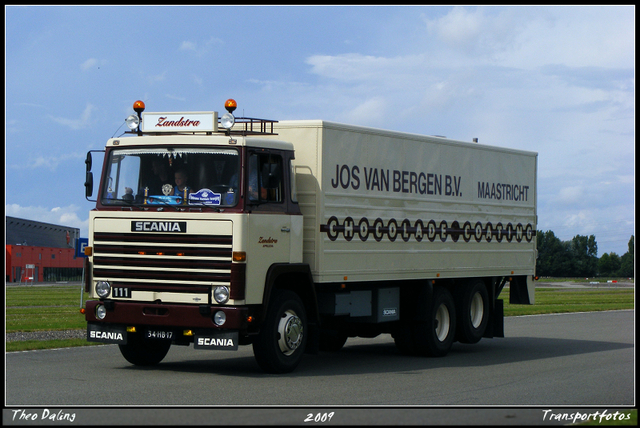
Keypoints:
pixel 163 262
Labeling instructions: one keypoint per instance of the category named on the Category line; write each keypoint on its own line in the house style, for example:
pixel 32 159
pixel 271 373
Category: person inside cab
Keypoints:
pixel 181 188
pixel 160 177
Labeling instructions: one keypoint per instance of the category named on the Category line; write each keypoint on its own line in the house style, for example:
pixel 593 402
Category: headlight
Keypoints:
pixel 221 294
pixel 101 312
pixel 219 318
pixel 132 121
pixel 227 121
pixel 103 288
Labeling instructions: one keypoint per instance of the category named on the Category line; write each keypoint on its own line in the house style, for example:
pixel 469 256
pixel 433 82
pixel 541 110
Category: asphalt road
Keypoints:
pixel 583 360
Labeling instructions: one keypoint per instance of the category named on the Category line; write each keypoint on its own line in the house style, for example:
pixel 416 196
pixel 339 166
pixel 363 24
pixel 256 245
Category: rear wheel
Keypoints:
pixel 280 345
pixel 473 312
pixel 435 336
pixel 144 352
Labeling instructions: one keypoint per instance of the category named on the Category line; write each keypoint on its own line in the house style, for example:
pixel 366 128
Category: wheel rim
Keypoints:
pixel 443 322
pixel 477 310
pixel 290 332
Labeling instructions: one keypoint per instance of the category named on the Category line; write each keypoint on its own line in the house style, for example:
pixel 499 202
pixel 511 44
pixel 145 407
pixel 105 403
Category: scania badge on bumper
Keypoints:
pixel 106 333
pixel 216 340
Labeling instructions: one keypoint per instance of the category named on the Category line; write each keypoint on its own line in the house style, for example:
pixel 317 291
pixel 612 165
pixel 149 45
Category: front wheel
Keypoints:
pixel 144 352
pixel 280 345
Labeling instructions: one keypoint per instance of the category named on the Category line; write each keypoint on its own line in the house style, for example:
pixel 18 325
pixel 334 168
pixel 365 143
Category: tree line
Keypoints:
pixel 578 258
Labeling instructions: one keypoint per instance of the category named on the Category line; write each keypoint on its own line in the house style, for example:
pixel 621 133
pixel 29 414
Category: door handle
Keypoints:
pixel 285 229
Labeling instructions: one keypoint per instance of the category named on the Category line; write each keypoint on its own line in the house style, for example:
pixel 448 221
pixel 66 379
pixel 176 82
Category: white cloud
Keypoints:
pixel 48 162
pixel 175 97
pixel 63 216
pixel 188 46
pixel 578 220
pixel 92 63
pixel 347 67
pixel 82 122
pixel 595 221
pixel 570 195
pixel 528 37
pixel 201 49
pixel 481 33
pixel 53 161
pixel 460 28
pixel 355 67
pixel 626 179
pixel 154 78
pixel 368 113
pixel 573 36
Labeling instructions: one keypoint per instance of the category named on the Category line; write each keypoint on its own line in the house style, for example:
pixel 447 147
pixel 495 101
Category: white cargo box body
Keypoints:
pixel 383 205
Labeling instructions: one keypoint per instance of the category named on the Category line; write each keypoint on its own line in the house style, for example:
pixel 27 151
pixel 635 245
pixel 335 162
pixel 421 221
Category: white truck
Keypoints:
pixel 293 236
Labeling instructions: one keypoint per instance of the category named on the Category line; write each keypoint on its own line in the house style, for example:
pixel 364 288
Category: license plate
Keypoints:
pixel 106 333
pixel 158 334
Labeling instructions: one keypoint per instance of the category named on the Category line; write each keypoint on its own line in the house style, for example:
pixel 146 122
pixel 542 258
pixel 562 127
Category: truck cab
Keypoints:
pixel 180 210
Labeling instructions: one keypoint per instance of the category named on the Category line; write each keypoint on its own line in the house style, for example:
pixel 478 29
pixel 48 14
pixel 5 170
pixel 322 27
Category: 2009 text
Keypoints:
pixel 319 417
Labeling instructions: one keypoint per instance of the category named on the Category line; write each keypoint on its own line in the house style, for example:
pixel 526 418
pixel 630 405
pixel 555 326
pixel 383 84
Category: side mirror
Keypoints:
pixel 88 185
pixel 88 181
pixel 88 161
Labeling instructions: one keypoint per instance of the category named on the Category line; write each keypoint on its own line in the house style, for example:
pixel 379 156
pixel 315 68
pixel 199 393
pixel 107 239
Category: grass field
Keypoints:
pixel 43 308
pixel 55 308
pixel 559 300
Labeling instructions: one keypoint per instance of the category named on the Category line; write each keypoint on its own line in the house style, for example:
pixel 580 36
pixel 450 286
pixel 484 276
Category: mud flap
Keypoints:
pixel 106 333
pixel 216 340
pixel 495 328
pixel 521 290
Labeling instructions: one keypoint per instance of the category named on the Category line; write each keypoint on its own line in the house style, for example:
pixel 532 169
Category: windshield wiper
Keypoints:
pixel 203 205
pixel 124 202
pixel 163 204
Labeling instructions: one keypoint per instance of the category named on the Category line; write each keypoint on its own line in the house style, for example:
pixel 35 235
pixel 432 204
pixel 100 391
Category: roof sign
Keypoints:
pixel 203 121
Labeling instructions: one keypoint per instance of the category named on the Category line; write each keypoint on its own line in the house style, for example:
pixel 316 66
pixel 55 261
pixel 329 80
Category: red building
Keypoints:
pixel 41 252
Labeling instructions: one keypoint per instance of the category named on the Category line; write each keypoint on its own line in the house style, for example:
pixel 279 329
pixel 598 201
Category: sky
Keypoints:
pixel 556 80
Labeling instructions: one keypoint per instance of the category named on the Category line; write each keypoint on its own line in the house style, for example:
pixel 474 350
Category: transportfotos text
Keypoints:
pixel 578 417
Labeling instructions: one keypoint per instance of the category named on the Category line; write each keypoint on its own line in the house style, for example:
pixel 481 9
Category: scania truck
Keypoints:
pixel 293 236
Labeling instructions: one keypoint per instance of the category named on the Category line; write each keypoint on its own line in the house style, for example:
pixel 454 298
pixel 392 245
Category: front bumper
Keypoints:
pixel 167 315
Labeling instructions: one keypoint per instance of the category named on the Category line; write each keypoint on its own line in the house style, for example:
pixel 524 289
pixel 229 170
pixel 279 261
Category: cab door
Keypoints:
pixel 268 220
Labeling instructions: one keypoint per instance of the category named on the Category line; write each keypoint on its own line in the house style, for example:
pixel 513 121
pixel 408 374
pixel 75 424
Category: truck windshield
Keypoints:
pixel 174 176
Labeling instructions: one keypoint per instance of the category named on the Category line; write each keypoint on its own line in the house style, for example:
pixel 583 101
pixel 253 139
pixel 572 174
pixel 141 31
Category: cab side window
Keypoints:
pixel 266 178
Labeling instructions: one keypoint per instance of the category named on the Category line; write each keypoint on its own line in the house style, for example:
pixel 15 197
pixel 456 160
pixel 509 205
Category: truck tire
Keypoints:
pixel 473 312
pixel 435 336
pixel 280 345
pixel 142 352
